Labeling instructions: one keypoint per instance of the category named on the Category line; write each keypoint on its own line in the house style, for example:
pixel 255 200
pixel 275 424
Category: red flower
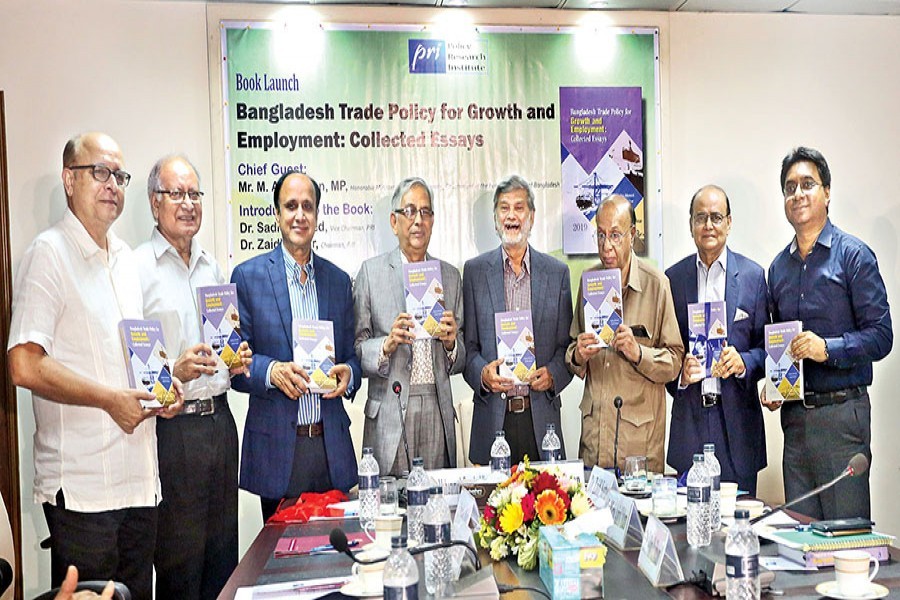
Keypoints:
pixel 489 513
pixel 528 507
pixel 544 481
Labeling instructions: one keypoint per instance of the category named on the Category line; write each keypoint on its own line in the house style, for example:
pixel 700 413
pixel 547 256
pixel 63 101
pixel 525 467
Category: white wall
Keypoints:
pixel 738 91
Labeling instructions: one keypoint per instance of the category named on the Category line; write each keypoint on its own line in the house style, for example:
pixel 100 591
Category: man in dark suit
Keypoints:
pixel 294 441
pixel 515 277
pixel 722 410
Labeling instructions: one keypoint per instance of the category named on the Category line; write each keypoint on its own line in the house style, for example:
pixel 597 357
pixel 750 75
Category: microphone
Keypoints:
pixel 858 465
pixel 338 540
pixel 397 388
pixel 617 402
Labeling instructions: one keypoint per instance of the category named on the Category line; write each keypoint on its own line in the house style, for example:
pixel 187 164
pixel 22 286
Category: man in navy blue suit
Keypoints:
pixel 294 441
pixel 723 410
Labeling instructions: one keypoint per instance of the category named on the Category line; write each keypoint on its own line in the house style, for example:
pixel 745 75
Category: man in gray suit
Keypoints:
pixel 390 353
pixel 515 277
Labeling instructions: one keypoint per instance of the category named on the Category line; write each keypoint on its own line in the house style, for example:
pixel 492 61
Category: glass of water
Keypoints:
pixel 635 475
pixel 665 496
pixel 388 487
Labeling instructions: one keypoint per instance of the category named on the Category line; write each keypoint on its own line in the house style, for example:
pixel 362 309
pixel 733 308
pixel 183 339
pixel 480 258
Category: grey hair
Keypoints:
pixel 72 149
pixel 510 184
pixel 153 181
pixel 407 184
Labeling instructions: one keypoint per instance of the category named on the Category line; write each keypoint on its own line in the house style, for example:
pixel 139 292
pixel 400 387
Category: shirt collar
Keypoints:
pixel 526 260
pixel 86 244
pixel 634 278
pixel 824 236
pixel 161 245
pixel 290 263
pixel 721 261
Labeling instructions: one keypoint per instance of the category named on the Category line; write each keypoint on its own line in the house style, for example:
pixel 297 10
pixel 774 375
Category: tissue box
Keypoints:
pixel 571 568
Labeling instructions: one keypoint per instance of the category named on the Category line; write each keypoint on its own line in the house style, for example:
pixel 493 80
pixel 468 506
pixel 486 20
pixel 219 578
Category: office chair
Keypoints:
pixel 121 593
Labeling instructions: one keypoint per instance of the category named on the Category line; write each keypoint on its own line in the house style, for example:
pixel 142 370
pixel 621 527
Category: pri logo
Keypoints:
pixel 427 56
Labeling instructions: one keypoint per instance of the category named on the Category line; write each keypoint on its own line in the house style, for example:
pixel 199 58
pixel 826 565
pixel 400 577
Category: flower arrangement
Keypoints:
pixel 521 505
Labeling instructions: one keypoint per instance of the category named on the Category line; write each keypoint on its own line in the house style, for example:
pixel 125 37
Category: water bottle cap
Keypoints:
pixel 367 451
pixel 709 448
pixel 398 541
pixel 436 490
pixel 418 461
pixel 551 427
pixel 500 433
pixel 742 513
pixel 698 458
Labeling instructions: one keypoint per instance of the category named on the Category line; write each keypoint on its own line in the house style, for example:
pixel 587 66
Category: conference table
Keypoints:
pixel 622 577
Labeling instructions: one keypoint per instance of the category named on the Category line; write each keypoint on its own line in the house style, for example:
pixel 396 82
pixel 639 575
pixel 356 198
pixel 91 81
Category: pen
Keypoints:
pixel 330 548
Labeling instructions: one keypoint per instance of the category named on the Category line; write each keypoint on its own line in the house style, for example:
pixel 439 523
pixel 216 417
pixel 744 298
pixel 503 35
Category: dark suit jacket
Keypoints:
pixel 267 451
pixel 745 289
pixel 551 314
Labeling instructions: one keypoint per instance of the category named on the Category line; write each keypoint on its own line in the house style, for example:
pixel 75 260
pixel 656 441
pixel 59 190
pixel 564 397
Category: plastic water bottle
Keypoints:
pixel 550 444
pixel 437 530
pixel 715 478
pixel 698 493
pixel 742 559
pixel 500 454
pixel 401 575
pixel 369 494
pixel 417 486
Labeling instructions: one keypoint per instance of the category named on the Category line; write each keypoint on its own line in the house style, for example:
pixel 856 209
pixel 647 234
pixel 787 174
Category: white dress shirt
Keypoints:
pixel 70 296
pixel 710 288
pixel 170 296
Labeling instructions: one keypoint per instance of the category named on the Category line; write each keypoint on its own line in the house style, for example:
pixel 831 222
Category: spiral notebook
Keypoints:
pixel 811 550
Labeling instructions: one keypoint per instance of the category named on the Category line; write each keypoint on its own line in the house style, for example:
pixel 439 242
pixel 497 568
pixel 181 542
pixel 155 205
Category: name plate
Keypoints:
pixel 658 559
pixel 599 486
pixel 626 531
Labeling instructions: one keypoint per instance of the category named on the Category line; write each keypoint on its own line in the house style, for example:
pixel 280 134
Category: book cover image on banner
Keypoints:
pixel 602 146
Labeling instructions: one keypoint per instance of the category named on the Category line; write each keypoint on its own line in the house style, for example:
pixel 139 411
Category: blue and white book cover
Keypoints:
pixel 784 373
pixel 314 352
pixel 147 360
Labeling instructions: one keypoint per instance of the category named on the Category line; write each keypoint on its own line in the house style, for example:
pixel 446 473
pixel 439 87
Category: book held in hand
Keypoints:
pixel 147 361
pixel 220 322
pixel 602 304
pixel 707 332
pixel 424 292
pixel 515 345
pixel 314 352
pixel 784 374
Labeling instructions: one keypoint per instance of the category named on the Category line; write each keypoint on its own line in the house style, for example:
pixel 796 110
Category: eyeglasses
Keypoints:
pixel 700 219
pixel 615 238
pixel 101 173
pixel 807 185
pixel 179 196
pixel 411 211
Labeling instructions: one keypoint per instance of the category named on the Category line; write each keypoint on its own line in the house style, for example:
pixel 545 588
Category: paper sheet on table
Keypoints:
pixel 293 590
pixel 780 563
pixel 773 523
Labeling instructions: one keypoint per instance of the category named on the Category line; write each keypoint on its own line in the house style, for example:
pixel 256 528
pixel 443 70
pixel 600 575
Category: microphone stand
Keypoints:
pixel 397 388
pixel 618 404
pixel 848 472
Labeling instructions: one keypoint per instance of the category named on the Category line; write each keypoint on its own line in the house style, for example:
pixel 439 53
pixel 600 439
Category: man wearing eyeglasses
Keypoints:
pixel 197 542
pixel 830 281
pixel 515 277
pixel 389 351
pixel 645 354
pixel 723 409
pixel 94 446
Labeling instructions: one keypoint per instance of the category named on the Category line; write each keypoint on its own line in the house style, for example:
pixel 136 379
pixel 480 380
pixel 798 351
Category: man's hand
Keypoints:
pixel 447 331
pixel 125 408
pixel 625 343
pixel 167 412
pixel 491 379
pixel 541 380
pixel 729 363
pixel 585 348
pixel 67 589
pixel 195 361
pixel 245 356
pixel 808 345
pixel 290 379
pixel 401 333
pixel 691 370
pixel 772 405
pixel 344 375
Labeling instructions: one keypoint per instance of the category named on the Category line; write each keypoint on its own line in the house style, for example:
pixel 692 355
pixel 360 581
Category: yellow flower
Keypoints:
pixel 511 517
pixel 550 508
pixel 580 504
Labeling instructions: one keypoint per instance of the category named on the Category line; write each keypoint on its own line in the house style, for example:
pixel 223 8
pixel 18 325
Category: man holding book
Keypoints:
pixel 721 409
pixel 295 440
pixel 389 312
pixel 830 281
pixel 515 277
pixel 95 445
pixel 644 355
pixel 197 541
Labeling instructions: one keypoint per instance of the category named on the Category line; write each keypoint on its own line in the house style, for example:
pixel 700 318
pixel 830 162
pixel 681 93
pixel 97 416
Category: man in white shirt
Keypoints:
pixel 197 541
pixel 94 448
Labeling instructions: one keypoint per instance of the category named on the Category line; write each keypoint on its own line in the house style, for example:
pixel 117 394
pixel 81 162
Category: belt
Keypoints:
pixel 710 400
pixel 311 430
pixel 202 407
pixel 518 404
pixel 817 399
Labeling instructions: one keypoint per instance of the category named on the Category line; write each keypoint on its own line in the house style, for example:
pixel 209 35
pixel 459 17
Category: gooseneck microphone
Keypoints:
pixel 617 402
pixel 858 465
pixel 397 388
pixel 338 540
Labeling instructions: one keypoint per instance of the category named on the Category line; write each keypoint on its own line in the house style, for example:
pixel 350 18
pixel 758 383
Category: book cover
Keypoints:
pixel 807 541
pixel 220 322
pixel 707 332
pixel 314 352
pixel 602 294
pixel 825 558
pixel 146 360
pixel 424 293
pixel 784 374
pixel 515 344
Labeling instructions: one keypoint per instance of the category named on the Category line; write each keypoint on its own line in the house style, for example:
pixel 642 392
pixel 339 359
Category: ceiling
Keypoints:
pixel 822 7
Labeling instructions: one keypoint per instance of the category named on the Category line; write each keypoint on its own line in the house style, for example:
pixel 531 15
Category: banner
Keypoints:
pixel 360 108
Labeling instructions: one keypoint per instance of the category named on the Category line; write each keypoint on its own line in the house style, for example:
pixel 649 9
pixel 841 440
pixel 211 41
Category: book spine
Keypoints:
pixel 825 558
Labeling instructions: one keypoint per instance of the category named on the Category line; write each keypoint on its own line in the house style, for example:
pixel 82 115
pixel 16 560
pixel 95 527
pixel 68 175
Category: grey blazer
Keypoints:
pixel 551 314
pixel 377 299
